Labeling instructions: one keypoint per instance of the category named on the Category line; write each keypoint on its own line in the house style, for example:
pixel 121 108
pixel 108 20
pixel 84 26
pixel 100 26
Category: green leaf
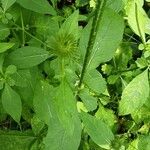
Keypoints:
pixel 19 78
pixel 46 26
pixel 14 140
pixel 99 132
pixel 141 143
pixel 27 57
pixel 144 142
pixel 11 69
pixel 116 5
pixel 107 40
pixel 65 128
pixel 106 115
pixel 39 6
pixel 71 24
pixel 4 31
pixel 142 115
pixel 7 4
pixel 42 102
pixel 1 62
pixel 5 46
pixel 37 125
pixel 26 91
pixel 136 18
pixel 135 94
pixel 12 103
pixel 89 101
pixel 94 81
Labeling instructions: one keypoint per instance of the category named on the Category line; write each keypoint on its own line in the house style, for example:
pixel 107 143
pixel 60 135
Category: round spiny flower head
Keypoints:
pixel 64 45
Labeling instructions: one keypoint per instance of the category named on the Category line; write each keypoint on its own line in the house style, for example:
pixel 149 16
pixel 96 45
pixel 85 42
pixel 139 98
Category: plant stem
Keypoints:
pixel 23 35
pixel 95 24
pixel 62 69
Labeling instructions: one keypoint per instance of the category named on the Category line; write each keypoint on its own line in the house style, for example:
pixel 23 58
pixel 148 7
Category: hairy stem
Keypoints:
pixel 95 24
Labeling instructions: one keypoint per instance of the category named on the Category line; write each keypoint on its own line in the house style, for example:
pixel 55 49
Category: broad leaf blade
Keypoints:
pixel 12 103
pixel 136 18
pixel 43 102
pixel 5 46
pixel 65 129
pixel 4 31
pixel 135 94
pixel 7 4
pixel 70 25
pixel 89 101
pixel 39 6
pixel 95 82
pixel 99 132
pixel 27 57
pixel 16 140
pixel 107 40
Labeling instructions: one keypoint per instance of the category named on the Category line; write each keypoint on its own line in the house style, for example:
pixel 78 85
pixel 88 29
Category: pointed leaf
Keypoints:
pixel 5 46
pixel 135 94
pixel 71 24
pixel 136 18
pixel 99 132
pixel 12 103
pixel 107 39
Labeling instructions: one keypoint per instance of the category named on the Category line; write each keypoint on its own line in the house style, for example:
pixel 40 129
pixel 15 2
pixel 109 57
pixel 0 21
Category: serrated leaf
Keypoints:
pixel 5 46
pixel 27 57
pixel 39 6
pixel 99 132
pixel 135 94
pixel 12 103
pixel 7 4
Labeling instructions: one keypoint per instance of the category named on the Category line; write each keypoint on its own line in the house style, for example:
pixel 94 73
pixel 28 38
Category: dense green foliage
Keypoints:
pixel 74 75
